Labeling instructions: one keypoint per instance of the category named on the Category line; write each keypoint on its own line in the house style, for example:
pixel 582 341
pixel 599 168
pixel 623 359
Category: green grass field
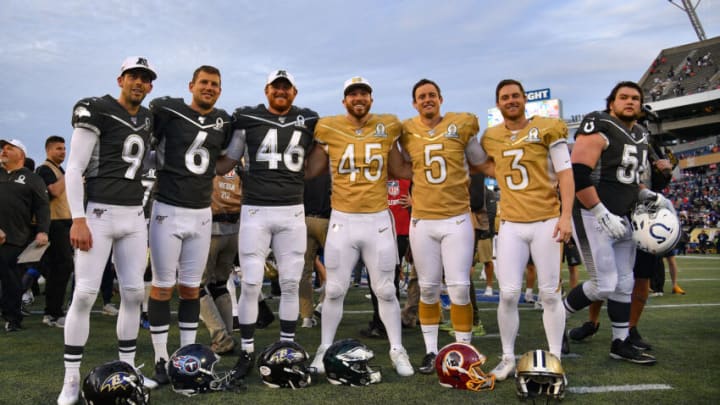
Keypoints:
pixel 683 329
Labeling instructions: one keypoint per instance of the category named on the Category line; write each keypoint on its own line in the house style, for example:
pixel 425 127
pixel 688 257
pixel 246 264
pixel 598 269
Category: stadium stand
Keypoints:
pixel 683 70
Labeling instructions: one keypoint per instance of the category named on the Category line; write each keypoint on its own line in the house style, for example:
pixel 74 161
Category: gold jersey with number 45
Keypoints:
pixel 523 168
pixel 358 160
pixel 440 175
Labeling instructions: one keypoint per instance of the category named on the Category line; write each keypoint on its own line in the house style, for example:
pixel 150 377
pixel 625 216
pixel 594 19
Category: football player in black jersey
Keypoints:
pixel 107 149
pixel 609 154
pixel 276 138
pixel 188 140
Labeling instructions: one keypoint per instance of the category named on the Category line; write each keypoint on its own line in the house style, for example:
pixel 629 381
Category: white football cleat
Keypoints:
pixel 504 369
pixel 318 360
pixel 401 361
pixel 70 393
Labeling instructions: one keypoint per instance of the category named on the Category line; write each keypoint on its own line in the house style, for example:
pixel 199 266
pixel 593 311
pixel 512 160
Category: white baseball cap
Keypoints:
pixel 356 81
pixel 280 74
pixel 138 62
pixel 14 142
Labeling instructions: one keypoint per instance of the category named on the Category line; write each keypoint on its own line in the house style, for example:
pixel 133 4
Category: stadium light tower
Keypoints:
pixel 689 9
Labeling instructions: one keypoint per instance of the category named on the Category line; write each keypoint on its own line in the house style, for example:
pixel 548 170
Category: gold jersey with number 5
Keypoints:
pixel 523 168
pixel 440 174
pixel 358 160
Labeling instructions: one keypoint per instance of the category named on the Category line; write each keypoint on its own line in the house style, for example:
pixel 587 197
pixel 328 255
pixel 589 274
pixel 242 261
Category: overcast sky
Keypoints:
pixel 54 53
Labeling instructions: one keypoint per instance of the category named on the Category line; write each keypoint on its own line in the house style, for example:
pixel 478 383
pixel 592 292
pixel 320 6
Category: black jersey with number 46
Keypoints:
pixel 276 145
pixel 188 145
pixel 617 174
pixel 113 173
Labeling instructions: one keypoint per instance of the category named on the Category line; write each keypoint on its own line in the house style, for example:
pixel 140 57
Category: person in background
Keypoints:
pixel 23 198
pixel 215 299
pixel 316 199
pixel 58 259
pixel 400 203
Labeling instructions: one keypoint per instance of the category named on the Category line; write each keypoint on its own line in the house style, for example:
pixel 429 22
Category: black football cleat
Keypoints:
pixel 624 350
pixel 585 331
pixel 161 375
pixel 637 340
pixel 244 364
pixel 265 315
pixel 428 364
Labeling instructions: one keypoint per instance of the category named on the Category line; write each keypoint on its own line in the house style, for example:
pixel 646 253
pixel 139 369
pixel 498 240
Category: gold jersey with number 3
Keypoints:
pixel 523 168
pixel 440 175
pixel 358 160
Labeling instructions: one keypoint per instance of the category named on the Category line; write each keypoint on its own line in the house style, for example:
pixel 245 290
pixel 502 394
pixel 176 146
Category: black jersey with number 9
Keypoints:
pixel 113 173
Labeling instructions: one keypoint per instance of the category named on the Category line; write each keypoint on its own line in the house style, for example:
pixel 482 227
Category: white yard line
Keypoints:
pixel 618 388
pixel 698 279
pixel 662 306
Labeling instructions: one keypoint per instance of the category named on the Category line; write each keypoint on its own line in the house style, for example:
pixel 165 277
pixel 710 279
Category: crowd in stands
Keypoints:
pixel 696 197
pixel 694 74
pixel 704 150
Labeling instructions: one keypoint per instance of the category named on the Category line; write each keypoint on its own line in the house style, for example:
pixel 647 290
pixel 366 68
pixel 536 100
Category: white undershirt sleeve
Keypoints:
pixel 560 156
pixel 474 151
pixel 236 148
pixel 81 147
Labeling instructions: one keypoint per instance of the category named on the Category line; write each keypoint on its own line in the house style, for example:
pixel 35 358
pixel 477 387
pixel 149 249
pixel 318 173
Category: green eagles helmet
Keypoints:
pixel 346 363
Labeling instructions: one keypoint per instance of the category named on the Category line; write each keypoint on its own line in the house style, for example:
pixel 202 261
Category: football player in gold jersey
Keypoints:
pixel 356 147
pixel 437 149
pixel 529 157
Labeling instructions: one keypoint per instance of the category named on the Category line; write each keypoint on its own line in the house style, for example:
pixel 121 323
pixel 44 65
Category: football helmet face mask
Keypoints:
pixel 540 373
pixel 115 382
pixel 283 364
pixel 655 230
pixel 191 370
pixel 346 363
pixel 458 365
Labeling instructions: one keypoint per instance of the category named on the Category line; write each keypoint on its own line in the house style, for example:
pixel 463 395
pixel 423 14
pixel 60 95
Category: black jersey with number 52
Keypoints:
pixel 113 173
pixel 617 174
pixel 188 145
pixel 276 145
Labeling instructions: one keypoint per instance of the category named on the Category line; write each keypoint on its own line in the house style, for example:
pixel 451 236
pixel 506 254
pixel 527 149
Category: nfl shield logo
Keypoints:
pixel 393 187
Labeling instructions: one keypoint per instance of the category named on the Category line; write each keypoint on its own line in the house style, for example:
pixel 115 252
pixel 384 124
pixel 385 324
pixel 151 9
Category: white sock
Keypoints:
pixel 430 336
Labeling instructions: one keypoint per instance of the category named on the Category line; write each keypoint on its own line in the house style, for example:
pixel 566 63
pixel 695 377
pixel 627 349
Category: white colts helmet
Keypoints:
pixel 656 230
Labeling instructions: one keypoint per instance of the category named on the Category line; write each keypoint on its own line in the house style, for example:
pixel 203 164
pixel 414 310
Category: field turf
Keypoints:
pixel 684 331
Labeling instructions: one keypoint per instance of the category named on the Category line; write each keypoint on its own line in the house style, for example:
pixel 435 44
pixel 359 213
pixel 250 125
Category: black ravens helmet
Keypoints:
pixel 284 364
pixel 115 382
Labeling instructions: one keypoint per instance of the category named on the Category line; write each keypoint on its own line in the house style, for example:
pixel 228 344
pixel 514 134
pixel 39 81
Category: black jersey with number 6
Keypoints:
pixel 617 174
pixel 113 173
pixel 188 145
pixel 276 145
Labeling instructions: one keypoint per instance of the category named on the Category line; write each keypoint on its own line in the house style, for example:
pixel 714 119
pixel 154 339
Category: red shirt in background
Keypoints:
pixel 396 190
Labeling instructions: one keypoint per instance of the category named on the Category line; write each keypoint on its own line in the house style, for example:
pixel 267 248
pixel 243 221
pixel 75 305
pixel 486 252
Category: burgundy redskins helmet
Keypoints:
pixel 458 365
